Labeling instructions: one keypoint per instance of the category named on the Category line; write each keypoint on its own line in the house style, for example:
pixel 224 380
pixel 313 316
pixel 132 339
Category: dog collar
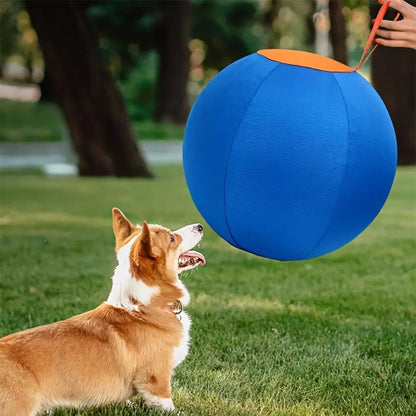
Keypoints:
pixel 175 307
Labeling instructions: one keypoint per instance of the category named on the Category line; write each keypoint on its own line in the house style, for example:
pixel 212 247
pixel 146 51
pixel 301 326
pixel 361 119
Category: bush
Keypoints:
pixel 139 89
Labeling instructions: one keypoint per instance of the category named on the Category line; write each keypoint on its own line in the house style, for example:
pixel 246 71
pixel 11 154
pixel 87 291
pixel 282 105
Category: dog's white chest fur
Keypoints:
pixel 180 352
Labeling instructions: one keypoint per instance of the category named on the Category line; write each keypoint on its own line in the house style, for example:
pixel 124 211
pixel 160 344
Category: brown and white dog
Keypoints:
pixel 128 345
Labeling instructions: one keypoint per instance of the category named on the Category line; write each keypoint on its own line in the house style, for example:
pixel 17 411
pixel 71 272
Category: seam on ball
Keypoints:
pixel 278 64
pixel 344 176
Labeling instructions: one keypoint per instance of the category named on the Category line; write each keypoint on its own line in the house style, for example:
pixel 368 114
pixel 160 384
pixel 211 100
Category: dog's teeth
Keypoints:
pixel 189 261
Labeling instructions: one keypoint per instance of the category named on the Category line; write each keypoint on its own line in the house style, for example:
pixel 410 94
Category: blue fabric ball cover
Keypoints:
pixel 286 161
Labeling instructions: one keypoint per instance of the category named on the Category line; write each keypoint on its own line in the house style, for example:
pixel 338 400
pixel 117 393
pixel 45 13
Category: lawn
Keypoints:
pixel 330 336
pixel 43 122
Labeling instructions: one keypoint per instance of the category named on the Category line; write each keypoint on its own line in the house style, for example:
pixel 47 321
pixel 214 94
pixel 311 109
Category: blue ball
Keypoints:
pixel 289 155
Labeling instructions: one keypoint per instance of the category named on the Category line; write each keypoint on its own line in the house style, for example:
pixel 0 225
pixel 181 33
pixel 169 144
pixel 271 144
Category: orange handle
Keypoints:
pixel 377 21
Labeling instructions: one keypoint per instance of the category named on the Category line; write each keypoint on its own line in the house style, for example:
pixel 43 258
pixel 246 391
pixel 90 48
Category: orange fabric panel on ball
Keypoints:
pixel 305 59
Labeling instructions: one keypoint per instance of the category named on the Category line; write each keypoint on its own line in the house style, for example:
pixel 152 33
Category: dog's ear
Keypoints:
pixel 145 242
pixel 122 227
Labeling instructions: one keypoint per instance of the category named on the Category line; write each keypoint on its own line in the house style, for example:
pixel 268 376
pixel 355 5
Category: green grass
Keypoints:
pixel 43 122
pixel 149 130
pixel 29 122
pixel 329 336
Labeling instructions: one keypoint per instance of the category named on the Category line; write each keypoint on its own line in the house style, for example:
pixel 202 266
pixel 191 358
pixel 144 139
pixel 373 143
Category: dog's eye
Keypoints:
pixel 172 238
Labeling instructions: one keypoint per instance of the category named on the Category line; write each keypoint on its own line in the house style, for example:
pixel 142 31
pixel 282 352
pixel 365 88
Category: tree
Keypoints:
pixel 92 105
pixel 172 43
pixel 338 31
pixel 393 73
pixel 130 28
pixel 271 10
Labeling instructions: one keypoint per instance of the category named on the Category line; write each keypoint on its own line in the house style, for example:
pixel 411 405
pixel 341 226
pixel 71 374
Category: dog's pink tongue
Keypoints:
pixel 192 253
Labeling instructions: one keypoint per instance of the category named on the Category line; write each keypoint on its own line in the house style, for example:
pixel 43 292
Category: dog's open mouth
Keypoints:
pixel 191 259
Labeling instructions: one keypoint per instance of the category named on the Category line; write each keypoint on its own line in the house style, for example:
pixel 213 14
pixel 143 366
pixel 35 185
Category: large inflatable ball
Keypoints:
pixel 289 155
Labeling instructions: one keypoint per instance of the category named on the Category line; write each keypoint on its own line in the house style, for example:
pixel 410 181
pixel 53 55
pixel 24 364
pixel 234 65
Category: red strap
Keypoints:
pixel 376 24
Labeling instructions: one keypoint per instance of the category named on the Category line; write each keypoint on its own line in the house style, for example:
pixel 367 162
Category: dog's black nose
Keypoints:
pixel 199 227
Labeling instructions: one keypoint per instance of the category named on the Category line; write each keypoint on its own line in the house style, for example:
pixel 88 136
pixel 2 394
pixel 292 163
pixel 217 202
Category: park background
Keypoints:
pixel 94 99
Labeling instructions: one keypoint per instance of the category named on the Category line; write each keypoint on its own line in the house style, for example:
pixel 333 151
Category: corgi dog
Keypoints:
pixel 128 345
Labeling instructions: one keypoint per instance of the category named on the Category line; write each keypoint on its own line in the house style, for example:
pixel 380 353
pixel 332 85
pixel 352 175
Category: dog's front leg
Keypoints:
pixel 157 392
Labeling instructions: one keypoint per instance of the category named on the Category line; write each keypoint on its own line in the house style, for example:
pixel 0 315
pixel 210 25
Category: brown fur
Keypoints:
pixel 105 355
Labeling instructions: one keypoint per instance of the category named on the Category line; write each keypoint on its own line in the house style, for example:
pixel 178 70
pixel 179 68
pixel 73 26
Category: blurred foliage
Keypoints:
pixel 357 18
pixel 226 28
pixel 8 28
pixel 221 32
pixel 19 45
pixel 126 30
pixel 139 87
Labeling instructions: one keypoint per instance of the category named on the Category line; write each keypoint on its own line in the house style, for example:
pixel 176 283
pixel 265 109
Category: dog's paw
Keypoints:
pixel 166 404
pixel 159 402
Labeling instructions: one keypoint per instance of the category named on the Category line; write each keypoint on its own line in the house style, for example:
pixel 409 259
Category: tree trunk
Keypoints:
pixel 46 88
pixel 338 31
pixel 92 105
pixel 173 38
pixel 270 13
pixel 393 73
